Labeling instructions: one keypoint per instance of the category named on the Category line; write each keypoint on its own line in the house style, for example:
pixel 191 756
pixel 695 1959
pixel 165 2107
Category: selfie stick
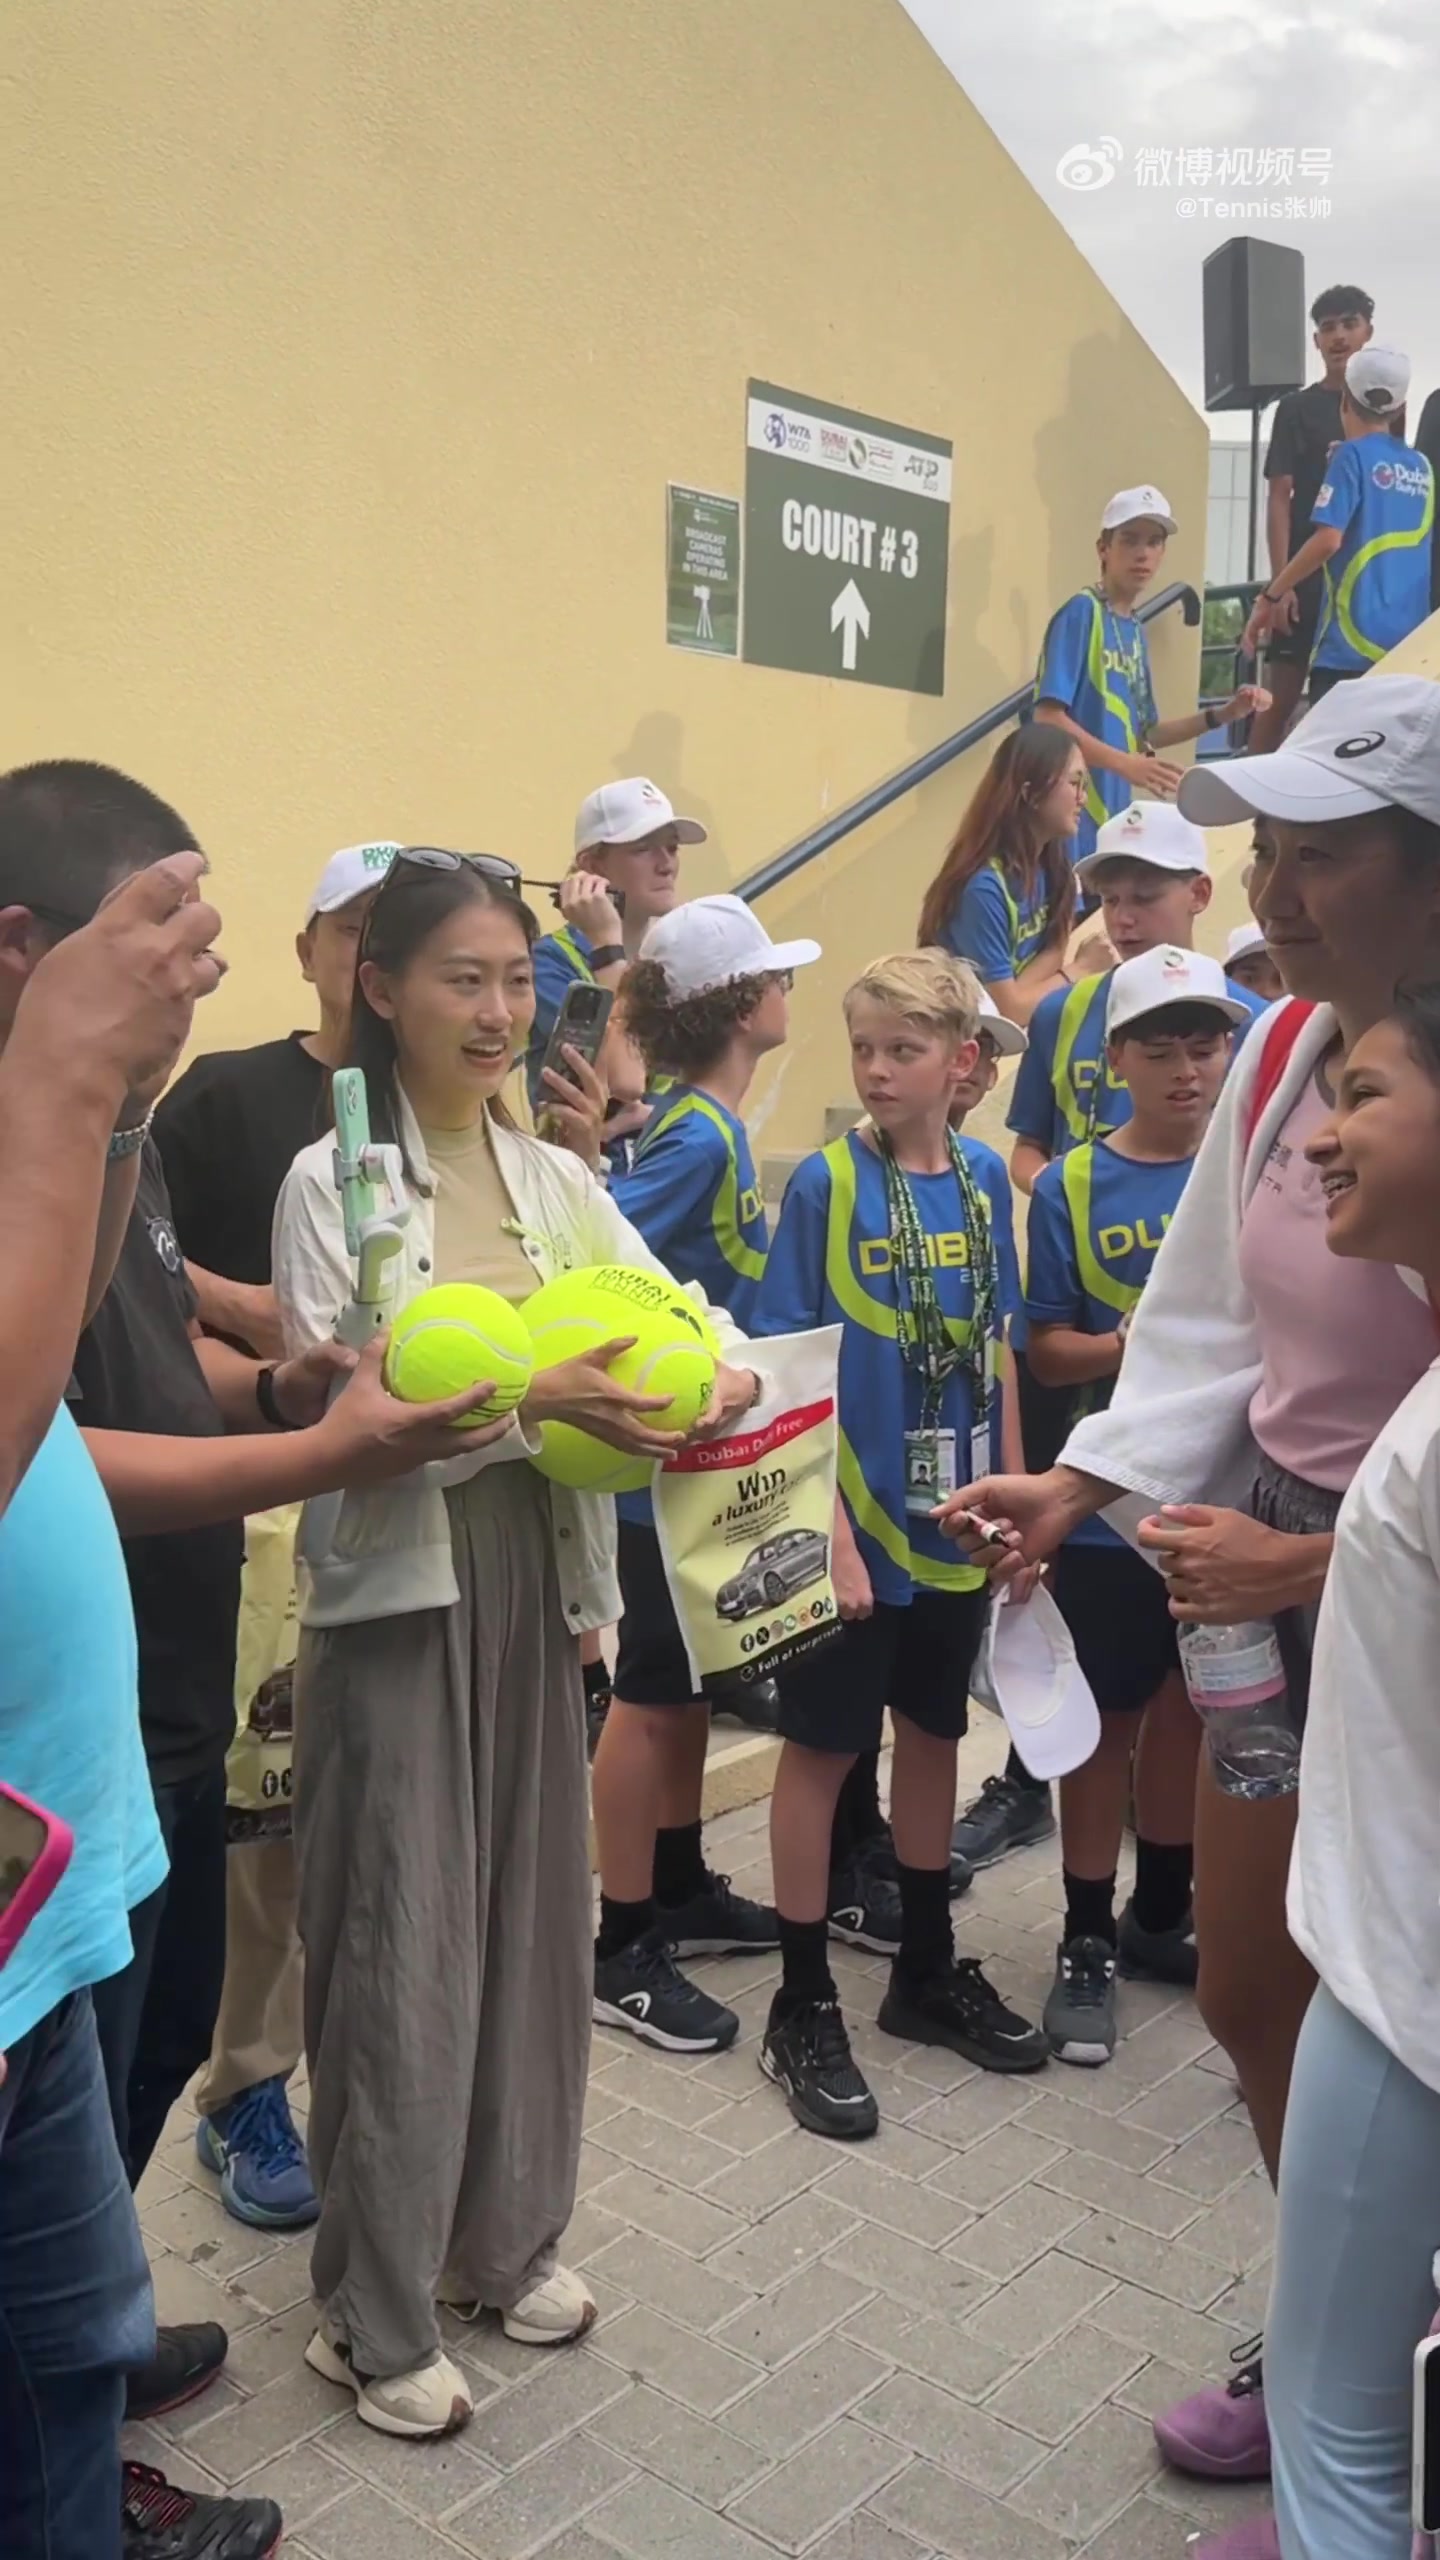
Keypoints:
pixel 364 1174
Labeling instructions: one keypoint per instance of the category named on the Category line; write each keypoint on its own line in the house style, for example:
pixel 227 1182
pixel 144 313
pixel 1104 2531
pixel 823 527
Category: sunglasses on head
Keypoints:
pixel 418 859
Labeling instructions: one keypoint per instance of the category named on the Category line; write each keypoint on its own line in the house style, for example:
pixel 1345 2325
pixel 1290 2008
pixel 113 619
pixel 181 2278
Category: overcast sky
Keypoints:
pixel 1358 85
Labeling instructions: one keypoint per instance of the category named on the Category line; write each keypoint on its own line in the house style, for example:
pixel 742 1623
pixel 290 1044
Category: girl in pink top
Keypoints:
pixel 1257 1371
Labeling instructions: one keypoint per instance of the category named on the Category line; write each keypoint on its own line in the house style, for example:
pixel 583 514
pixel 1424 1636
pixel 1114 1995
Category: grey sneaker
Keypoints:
pixel 1080 2012
pixel 1003 1817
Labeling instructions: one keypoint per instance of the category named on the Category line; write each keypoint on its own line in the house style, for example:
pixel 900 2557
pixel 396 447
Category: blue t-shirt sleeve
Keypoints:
pixel 1054 1295
pixel 979 929
pixel 553 974
pixel 1032 1100
pixel 1256 1005
pixel 1064 653
pixel 1339 494
pixel 669 1190
pixel 792 1293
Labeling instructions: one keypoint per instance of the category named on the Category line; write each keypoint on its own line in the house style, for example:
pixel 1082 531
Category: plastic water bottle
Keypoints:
pixel 1237 1687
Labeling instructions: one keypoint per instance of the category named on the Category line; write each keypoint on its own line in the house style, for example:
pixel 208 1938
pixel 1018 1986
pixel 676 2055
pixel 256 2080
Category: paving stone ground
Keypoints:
pixel 948 2342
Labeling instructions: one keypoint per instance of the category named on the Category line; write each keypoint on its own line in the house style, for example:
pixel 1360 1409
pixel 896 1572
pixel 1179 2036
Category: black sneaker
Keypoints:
pixel 757 1708
pixel 185 2363
pixel 1158 1955
pixel 719 1922
pixel 807 2054
pixel 1080 2012
pixel 864 1902
pixel 642 1988
pixel 158 2522
pixel 964 2012
pixel 962 1874
pixel 1003 1817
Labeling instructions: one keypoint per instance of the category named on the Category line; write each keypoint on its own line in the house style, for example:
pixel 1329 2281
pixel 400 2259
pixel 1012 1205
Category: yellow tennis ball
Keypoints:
pixel 674 1355
pixel 450 1338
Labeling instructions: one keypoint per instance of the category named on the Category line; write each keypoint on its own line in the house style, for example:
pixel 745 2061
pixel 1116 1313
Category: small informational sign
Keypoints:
pixel 847 543
pixel 702 571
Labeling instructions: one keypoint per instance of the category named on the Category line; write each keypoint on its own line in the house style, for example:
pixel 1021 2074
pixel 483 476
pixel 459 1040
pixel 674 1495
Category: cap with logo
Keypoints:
pixel 1008 1037
pixel 710 942
pixel 1129 505
pixel 1244 942
pixel 623 812
pixel 348 874
pixel 1168 976
pixel 1369 745
pixel 1378 380
pixel 1150 831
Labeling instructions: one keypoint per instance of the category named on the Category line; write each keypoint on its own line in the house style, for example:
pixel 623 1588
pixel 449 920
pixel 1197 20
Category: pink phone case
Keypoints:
pixel 43 1877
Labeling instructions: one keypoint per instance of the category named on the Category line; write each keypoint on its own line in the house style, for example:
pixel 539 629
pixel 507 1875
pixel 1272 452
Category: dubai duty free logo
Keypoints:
pixel 1088 166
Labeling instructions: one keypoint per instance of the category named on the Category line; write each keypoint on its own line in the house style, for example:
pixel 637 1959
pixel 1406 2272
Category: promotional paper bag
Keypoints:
pixel 257 1769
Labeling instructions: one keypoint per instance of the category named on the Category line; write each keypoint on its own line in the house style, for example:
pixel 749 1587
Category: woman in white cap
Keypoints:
pixel 1259 1369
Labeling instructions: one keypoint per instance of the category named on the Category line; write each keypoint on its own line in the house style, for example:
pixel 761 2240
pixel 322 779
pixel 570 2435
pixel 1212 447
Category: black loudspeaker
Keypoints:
pixel 1254 324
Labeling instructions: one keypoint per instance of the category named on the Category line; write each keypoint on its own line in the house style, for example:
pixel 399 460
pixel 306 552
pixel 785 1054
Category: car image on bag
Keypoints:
pixel 771 1571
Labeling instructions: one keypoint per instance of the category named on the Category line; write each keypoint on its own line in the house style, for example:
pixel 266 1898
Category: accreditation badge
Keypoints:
pixel 929 1469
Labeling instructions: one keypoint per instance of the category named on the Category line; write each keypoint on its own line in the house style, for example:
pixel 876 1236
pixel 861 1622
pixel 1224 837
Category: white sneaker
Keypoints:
pixel 432 2400
pixel 550 2313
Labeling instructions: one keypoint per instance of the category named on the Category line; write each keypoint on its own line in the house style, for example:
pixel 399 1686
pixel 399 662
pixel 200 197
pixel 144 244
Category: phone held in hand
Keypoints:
pixel 1425 2440
pixel 579 1024
pixel 35 1850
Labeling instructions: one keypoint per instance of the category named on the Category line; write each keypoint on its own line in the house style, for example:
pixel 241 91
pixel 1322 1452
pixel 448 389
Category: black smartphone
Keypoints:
pixel 615 896
pixel 579 1024
pixel 1425 2438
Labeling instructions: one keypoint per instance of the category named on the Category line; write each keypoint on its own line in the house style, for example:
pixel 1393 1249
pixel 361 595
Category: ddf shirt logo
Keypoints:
pixel 1399 475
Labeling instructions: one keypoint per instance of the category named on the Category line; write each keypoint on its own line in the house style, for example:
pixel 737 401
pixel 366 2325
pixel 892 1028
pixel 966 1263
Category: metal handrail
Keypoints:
pixel 882 795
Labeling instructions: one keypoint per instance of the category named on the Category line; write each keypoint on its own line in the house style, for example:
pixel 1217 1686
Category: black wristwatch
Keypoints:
pixel 607 955
pixel 268 1409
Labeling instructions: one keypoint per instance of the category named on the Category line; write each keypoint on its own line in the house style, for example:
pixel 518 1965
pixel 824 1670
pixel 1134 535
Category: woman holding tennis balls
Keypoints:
pixel 440 1760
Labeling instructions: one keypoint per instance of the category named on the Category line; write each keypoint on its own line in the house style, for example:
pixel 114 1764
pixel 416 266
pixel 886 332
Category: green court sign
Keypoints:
pixel 847 543
pixel 702 571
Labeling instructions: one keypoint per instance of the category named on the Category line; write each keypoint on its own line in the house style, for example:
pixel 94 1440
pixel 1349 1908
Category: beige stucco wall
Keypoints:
pixel 350 346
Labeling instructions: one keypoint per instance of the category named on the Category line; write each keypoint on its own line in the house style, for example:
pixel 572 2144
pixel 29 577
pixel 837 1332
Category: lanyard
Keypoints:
pixel 926 1343
pixel 1129 657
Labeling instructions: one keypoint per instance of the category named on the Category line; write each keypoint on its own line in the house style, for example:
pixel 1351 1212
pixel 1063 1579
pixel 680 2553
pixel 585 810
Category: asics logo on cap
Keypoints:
pixel 1350 748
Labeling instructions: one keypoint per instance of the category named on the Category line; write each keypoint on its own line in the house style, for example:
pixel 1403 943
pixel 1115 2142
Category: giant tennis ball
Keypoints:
pixel 450 1338
pixel 674 1354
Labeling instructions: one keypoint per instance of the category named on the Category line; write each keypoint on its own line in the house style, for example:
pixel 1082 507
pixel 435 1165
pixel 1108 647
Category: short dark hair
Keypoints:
pixel 1173 1022
pixel 69 830
pixel 685 1036
pixel 1338 301
pixel 1416 1009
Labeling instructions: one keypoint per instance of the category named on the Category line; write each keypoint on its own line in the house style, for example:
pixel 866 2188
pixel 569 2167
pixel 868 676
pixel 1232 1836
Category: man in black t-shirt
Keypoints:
pixel 1307 427
pixel 228 1131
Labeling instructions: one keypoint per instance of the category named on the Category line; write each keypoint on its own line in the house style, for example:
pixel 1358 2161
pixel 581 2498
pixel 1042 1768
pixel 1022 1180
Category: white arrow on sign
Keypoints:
pixel 849 614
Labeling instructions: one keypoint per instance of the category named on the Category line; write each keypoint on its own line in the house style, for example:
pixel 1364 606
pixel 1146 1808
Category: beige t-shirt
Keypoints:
pixel 476 1230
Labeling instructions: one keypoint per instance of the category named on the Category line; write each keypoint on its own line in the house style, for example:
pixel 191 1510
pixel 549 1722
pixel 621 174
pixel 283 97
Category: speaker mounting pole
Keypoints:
pixel 1254 524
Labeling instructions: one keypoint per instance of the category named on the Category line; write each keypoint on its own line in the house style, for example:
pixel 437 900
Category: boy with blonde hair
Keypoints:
pixel 900 1232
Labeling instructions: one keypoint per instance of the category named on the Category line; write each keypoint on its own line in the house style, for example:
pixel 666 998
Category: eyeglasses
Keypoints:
pixel 423 858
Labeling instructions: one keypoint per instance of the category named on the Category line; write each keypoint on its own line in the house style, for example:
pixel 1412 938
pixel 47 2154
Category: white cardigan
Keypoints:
pixel 382 1551
pixel 1177 1428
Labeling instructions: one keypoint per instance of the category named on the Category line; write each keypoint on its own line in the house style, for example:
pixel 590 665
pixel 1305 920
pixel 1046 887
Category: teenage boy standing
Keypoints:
pixel 1373 521
pixel 228 1132
pixel 1305 432
pixel 1097 1219
pixel 900 1232
pixel 1094 673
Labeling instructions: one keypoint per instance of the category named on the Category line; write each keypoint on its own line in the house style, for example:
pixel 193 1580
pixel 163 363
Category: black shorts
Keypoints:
pixel 1047 1417
pixel 1292 648
pixel 1323 680
pixel 652 1668
pixel 1117 1609
pixel 915 1661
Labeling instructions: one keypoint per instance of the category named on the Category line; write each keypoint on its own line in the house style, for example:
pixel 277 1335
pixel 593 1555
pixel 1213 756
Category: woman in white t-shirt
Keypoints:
pixel 1259 1369
pixel 1360 2172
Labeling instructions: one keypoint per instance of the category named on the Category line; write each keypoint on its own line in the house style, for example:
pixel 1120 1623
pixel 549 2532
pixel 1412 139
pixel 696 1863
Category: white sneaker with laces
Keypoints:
pixel 433 2399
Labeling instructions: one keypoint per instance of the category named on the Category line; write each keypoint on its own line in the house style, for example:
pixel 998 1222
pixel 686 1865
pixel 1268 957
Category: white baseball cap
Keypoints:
pixel 710 942
pixel 1150 831
pixel 1242 941
pixel 1377 379
pixel 348 874
pixel 1008 1036
pixel 1167 976
pixel 1366 746
pixel 1028 1671
pixel 1128 505
pixel 623 812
